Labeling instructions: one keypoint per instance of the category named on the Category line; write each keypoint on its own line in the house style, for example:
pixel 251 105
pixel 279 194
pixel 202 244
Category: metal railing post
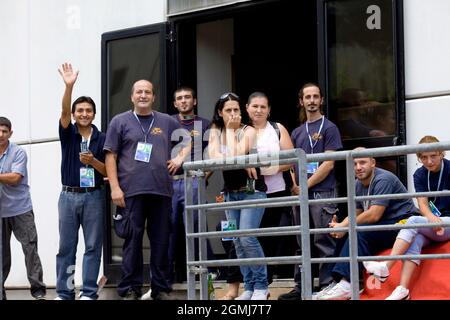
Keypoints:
pixel 202 241
pixel 352 235
pixel 190 256
pixel 304 223
pixel 1 244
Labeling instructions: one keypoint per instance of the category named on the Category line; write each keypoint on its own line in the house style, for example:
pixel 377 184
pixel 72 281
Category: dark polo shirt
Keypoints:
pixel 197 127
pixel 70 151
pixel 329 140
pixel 137 177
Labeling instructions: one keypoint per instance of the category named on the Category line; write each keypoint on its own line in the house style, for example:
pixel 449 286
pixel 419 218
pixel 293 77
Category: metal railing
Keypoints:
pixel 1 243
pixel 197 169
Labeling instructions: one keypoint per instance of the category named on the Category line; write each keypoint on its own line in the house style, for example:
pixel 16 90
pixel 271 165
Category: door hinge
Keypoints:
pixel 171 36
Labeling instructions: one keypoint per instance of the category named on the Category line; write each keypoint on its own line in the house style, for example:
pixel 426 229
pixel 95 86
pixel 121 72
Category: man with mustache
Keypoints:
pixel 317 134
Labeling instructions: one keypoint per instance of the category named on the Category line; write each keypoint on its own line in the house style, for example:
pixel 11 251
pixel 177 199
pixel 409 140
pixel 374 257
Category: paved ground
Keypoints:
pixel 109 293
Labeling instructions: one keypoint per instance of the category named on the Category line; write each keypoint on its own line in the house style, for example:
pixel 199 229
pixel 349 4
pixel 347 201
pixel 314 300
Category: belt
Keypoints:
pixel 178 177
pixel 80 189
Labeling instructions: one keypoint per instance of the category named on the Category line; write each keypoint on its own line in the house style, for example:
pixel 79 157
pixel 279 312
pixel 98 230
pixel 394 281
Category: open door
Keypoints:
pixel 362 73
pixel 127 56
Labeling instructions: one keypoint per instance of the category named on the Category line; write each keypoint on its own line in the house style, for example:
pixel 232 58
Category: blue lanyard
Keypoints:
pixel 440 178
pixel 318 133
pixel 3 158
pixel 142 128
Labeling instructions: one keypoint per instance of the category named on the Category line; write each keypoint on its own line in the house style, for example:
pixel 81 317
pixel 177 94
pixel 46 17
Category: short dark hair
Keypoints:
pixel 84 99
pixel 5 122
pixel 184 88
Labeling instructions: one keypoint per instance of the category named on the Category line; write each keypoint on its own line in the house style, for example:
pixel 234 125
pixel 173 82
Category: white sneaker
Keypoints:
pixel 246 295
pixel 85 298
pixel 147 295
pixel 340 291
pixel 378 269
pixel 317 295
pixel 58 298
pixel 263 294
pixel 399 293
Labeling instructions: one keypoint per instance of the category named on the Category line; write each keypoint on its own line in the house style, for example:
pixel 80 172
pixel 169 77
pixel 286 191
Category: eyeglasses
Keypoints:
pixel 227 95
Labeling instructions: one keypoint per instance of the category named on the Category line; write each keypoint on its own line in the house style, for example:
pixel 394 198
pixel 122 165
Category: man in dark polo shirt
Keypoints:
pixel 16 211
pixel 317 134
pixel 184 101
pixel 81 201
pixel 139 162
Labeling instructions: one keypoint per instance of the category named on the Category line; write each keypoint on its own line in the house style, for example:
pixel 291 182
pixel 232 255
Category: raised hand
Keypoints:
pixel 68 75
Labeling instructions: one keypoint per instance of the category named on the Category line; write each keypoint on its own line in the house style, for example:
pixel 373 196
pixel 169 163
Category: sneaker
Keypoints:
pixel 291 295
pixel 263 294
pixel 58 298
pixel 147 295
pixel 317 295
pixel 86 298
pixel 246 295
pixel 399 293
pixel 340 291
pixel 378 269
pixel 39 295
pixel 164 296
pixel 131 295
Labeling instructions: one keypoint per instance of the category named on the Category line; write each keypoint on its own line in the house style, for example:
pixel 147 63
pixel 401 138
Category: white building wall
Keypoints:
pixel 427 67
pixel 37 37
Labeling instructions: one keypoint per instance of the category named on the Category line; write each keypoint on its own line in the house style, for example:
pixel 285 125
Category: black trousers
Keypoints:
pixel 155 211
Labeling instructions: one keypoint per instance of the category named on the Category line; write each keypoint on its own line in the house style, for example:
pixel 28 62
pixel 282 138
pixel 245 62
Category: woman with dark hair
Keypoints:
pixel 229 137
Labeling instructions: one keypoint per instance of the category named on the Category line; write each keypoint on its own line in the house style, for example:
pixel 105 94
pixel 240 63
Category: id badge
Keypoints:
pixel 87 177
pixel 311 167
pixel 143 152
pixel 228 225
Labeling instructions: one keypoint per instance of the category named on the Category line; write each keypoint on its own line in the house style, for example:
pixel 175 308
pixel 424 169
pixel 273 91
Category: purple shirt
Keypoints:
pixel 329 139
pixel 137 177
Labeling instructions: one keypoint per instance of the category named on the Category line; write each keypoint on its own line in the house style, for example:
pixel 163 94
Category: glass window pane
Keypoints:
pixel 361 67
pixel 129 60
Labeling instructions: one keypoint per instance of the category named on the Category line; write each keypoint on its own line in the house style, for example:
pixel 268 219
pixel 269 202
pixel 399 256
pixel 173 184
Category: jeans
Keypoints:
pixel 255 276
pixel 422 237
pixel 178 216
pixel 87 210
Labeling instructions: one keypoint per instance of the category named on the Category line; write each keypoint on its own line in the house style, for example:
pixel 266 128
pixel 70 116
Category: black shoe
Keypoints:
pixel 291 295
pixel 39 295
pixel 164 296
pixel 131 295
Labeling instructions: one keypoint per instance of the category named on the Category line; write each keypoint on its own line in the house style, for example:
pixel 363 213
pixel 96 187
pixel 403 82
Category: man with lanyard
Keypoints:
pixel 184 101
pixel 370 181
pixel 82 199
pixel 316 135
pixel 139 162
pixel 16 211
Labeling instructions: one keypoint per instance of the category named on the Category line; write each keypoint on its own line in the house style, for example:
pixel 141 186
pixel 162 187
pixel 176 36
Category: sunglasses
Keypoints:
pixel 225 96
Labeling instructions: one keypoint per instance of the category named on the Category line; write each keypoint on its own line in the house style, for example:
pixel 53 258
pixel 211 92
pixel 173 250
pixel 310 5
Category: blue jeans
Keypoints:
pixel 87 210
pixel 176 215
pixel 255 276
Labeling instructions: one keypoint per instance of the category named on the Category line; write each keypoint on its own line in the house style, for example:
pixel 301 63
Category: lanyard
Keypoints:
pixel 318 133
pixel 142 128
pixel 439 181
pixel 367 202
pixel 3 158
pixel 88 139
